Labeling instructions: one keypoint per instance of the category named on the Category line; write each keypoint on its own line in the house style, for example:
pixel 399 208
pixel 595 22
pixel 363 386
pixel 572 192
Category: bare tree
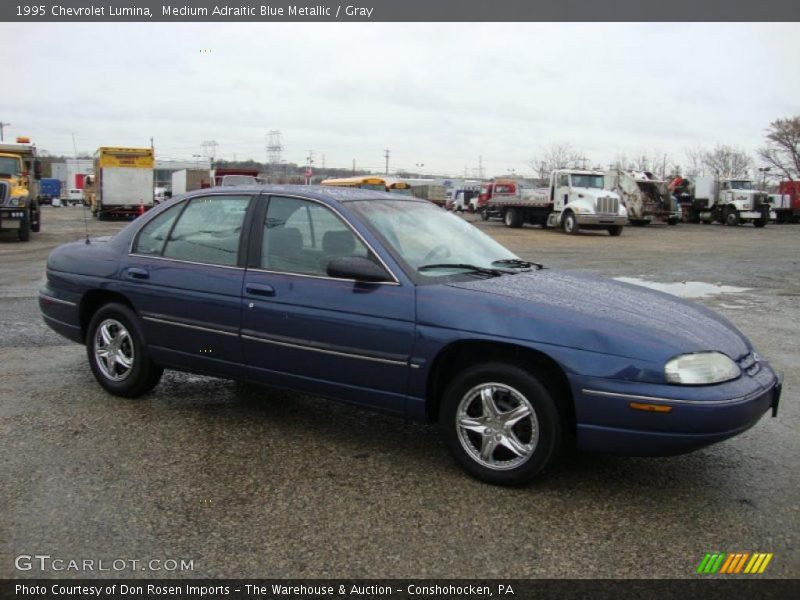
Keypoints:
pixel 782 149
pixel 694 160
pixel 557 156
pixel 726 161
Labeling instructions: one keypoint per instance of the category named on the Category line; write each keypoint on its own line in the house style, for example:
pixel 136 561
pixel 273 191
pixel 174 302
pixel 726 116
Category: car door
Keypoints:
pixel 305 330
pixel 185 277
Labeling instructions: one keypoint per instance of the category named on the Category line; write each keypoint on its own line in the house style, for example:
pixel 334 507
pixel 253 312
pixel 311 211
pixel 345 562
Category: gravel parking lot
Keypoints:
pixel 247 482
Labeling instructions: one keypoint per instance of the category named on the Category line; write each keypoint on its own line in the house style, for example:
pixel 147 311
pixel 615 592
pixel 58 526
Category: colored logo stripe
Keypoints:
pixel 734 563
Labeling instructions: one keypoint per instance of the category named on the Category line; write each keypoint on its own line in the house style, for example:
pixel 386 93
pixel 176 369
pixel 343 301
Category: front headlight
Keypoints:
pixel 701 368
pixel 14 200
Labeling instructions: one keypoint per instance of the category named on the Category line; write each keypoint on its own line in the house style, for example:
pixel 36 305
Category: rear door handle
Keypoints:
pixel 134 273
pixel 259 289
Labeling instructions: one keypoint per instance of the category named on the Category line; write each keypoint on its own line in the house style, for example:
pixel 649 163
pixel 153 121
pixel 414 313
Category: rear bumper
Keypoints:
pixel 608 424
pixel 61 314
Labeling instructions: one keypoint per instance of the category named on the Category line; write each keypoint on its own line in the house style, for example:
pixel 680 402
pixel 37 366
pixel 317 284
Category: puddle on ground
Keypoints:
pixel 685 289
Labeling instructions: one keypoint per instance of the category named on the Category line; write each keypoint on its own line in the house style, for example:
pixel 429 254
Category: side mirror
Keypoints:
pixel 37 170
pixel 358 268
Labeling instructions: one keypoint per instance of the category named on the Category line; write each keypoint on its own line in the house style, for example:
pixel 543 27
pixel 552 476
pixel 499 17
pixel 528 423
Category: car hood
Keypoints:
pixel 594 313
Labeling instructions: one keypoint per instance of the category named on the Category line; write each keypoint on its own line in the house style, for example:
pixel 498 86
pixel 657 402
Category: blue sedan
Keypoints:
pixel 390 302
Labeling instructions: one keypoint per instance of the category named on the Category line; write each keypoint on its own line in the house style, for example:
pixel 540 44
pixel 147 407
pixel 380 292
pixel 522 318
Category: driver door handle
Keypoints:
pixel 259 289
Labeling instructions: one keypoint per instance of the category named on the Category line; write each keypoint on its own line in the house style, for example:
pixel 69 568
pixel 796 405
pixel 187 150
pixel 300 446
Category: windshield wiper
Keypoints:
pixel 473 268
pixel 518 264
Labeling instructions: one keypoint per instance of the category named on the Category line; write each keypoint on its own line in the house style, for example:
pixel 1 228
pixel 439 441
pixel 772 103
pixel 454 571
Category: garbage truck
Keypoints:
pixel 647 199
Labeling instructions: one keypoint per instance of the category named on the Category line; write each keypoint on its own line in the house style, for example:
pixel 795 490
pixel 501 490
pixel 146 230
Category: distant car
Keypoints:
pixel 389 302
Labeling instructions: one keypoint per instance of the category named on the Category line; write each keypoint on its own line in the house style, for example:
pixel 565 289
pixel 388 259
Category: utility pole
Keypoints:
pixel 386 156
pixel 354 166
pixel 2 125
pixel 480 167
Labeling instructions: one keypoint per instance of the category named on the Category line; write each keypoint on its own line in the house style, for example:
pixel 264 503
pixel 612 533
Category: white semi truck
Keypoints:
pixel 646 198
pixel 729 201
pixel 574 200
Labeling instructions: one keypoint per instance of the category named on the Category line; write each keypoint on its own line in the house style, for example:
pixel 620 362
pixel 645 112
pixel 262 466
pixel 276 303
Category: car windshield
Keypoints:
pixel 9 165
pixel 587 181
pixel 741 185
pixel 424 235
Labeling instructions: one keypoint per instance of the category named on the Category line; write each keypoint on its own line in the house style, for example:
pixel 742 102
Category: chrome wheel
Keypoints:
pixel 497 426
pixel 114 351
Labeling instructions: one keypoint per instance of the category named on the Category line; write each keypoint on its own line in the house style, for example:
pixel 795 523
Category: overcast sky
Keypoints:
pixel 438 94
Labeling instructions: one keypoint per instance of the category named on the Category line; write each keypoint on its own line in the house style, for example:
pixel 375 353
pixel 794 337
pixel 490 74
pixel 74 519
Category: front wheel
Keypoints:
pixel 501 423
pixel 615 230
pixel 731 217
pixel 24 231
pixel 36 218
pixel 571 224
pixel 117 353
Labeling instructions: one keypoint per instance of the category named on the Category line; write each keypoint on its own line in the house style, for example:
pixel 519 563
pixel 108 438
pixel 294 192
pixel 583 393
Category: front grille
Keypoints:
pixel 3 192
pixel 607 205
pixel 749 364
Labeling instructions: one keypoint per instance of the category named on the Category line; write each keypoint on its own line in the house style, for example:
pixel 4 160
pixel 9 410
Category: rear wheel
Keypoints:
pixel 571 224
pixel 513 218
pixel 117 352
pixel 501 423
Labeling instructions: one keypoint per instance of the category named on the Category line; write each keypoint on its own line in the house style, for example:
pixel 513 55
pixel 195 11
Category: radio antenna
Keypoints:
pixel 83 202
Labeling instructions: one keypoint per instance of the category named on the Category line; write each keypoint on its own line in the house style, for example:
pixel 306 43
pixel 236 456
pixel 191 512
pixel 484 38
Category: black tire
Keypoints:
pixel 505 381
pixel 143 374
pixel 672 221
pixel 731 217
pixel 570 224
pixel 513 218
pixel 762 222
pixel 485 214
pixel 36 218
pixel 615 230
pixel 24 231
pixel 706 222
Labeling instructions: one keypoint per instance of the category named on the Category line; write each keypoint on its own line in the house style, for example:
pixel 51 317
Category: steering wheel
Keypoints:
pixel 436 250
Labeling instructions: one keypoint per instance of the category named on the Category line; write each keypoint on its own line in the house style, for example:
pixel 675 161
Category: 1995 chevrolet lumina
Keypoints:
pixel 392 303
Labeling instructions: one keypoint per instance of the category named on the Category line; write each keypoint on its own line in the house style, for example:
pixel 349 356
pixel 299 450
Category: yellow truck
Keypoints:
pixel 20 173
pixel 123 183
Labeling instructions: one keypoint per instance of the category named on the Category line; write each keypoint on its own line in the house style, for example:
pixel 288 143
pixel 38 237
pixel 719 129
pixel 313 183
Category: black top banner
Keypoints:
pixel 402 10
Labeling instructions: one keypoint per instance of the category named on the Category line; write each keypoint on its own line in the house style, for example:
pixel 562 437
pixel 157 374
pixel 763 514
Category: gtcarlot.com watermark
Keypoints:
pixel 47 563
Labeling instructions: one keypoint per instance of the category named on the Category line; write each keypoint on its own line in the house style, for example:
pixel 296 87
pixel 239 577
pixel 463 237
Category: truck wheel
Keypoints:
pixel 36 218
pixel 571 224
pixel 117 352
pixel 672 221
pixel 24 231
pixel 615 230
pixel 513 218
pixel 485 214
pixel 501 423
pixel 760 222
pixel 731 217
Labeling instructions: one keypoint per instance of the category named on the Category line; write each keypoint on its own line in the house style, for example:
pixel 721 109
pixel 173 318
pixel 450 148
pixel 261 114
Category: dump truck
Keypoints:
pixel 20 172
pixel 574 200
pixel 646 198
pixel 728 201
pixel 122 185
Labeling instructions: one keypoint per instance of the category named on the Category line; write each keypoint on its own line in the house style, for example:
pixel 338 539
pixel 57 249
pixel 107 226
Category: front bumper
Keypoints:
pixel 697 417
pixel 11 217
pixel 600 220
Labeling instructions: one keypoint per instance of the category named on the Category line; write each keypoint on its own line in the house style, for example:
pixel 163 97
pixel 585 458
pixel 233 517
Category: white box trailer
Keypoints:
pixel 123 183
pixel 188 180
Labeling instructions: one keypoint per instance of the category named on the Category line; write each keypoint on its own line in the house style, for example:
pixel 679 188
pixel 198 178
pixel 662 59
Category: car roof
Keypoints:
pixel 318 192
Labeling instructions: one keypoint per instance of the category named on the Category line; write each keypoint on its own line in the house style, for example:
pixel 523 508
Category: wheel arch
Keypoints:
pixel 464 353
pixel 92 301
